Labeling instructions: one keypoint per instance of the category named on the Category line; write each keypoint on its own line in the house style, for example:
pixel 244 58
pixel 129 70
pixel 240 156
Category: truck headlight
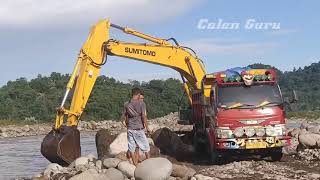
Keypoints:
pixel 270 131
pixel 224 133
pixel 277 130
pixel 250 132
pixel 260 132
pixel 280 129
pixel 239 132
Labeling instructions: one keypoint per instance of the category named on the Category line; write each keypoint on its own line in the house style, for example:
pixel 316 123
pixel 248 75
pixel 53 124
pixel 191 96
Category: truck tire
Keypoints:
pixel 276 154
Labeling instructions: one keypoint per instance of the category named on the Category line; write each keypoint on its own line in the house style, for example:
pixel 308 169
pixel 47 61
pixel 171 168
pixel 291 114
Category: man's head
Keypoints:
pixel 141 98
pixel 136 92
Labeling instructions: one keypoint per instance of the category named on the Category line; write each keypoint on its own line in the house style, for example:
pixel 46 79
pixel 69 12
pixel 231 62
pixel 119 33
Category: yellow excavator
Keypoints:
pixel 62 144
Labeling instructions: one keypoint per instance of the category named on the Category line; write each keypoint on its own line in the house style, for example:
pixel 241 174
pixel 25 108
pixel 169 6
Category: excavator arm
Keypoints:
pixel 62 144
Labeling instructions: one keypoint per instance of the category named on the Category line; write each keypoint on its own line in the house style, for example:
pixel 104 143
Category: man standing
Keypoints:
pixel 135 111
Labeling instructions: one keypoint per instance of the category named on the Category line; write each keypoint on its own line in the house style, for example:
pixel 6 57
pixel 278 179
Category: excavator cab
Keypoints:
pixel 62 145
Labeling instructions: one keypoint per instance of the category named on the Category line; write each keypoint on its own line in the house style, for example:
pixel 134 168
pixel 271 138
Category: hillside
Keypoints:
pixel 38 98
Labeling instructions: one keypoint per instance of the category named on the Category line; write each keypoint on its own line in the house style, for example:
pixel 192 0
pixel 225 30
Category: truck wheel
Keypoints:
pixel 276 154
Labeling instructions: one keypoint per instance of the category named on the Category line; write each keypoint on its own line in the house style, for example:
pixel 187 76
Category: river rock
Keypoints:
pixel 111 162
pixel 309 140
pixel 103 140
pixel 153 127
pixel 90 174
pixel 51 169
pixel 26 128
pixel 304 125
pixel 314 129
pixel 99 164
pixel 114 174
pixel 314 176
pixel 122 156
pixel 81 161
pixel 153 169
pixel 182 171
pixel 202 177
pixel 294 132
pixel 40 178
pixel 91 157
pixel 120 144
pixel 127 169
pixel 169 143
pixel 303 131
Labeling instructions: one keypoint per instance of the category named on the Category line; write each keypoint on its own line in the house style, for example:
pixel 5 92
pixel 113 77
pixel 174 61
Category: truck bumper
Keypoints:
pixel 253 143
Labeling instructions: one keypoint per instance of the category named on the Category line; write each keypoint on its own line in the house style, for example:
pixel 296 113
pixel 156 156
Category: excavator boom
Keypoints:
pixel 62 144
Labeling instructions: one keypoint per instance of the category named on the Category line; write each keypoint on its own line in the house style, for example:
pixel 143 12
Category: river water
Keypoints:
pixel 21 157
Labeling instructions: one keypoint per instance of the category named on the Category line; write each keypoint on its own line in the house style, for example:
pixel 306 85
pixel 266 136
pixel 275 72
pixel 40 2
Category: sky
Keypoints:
pixel 44 36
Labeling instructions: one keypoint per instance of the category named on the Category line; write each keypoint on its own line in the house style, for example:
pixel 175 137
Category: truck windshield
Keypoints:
pixel 248 96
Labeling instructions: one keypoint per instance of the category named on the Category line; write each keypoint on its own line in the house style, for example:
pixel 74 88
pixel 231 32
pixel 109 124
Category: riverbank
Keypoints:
pixel 21 130
pixel 171 121
pixel 301 159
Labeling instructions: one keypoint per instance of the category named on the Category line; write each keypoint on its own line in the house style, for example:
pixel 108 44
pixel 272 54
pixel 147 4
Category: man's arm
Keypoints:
pixel 124 116
pixel 144 117
pixel 124 119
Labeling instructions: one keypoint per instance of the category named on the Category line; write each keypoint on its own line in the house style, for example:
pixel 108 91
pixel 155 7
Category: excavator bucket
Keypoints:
pixel 62 145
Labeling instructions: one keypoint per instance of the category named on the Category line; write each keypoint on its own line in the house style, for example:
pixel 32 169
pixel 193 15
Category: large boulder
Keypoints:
pixel 309 139
pixel 111 162
pixel 182 171
pixel 126 168
pixel 153 169
pixel 114 174
pixel 170 144
pixel 120 144
pixel 314 129
pixel 103 140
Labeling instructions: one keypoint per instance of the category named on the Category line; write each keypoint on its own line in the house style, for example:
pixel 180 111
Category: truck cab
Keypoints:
pixel 240 110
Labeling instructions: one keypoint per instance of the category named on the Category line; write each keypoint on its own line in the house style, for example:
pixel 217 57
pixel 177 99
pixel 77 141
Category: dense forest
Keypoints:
pixel 38 98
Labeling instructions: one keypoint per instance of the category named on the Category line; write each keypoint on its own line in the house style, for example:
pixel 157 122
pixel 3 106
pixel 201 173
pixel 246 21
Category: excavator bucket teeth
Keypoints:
pixel 62 146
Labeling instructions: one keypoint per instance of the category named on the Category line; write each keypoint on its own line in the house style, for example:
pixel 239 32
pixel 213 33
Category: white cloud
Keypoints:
pixel 72 13
pixel 230 46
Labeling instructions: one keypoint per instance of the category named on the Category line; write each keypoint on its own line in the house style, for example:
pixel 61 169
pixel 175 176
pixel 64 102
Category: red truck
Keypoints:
pixel 244 114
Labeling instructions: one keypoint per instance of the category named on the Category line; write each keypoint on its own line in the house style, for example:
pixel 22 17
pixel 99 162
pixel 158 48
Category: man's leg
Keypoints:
pixel 143 143
pixel 132 147
pixel 137 153
pixel 147 154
